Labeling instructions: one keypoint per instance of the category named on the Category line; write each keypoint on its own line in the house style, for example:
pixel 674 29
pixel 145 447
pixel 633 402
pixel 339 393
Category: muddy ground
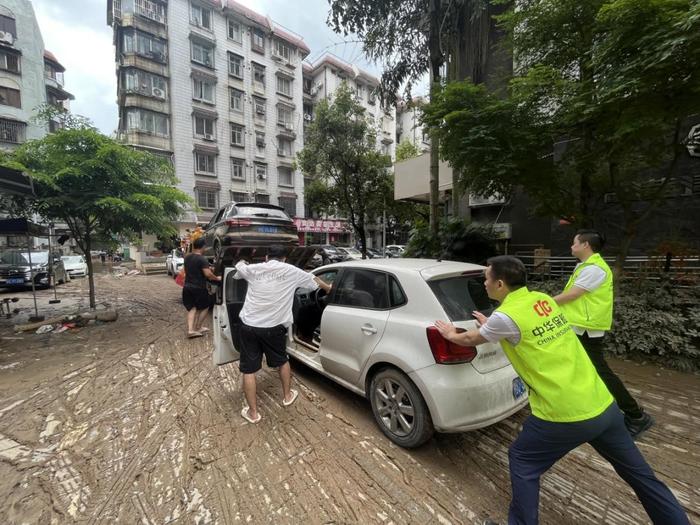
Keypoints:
pixel 129 422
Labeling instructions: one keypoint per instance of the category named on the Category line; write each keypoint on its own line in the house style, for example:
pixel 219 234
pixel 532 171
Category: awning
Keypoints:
pixel 22 227
pixel 15 182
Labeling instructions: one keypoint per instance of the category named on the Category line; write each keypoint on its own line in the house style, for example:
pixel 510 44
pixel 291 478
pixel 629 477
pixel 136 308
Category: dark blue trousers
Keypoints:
pixel 542 443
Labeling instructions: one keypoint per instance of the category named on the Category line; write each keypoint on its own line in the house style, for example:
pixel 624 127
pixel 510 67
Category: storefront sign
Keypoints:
pixel 321 225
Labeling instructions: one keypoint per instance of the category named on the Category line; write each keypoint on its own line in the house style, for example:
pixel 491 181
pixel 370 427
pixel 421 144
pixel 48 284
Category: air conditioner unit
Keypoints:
pixel 288 126
pixel 260 111
pixel 7 37
pixel 261 176
pixel 308 117
pixel 208 136
pixel 158 93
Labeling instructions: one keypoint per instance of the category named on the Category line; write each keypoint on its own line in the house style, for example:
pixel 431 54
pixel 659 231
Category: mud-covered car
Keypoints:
pixel 374 335
pixel 249 224
pixel 174 262
pixel 18 268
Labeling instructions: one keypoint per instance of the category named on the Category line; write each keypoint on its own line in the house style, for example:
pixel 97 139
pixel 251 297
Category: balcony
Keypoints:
pixel 153 11
pixel 145 139
pixel 12 131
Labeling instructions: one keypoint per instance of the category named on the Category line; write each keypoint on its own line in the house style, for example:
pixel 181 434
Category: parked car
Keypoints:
pixel 248 224
pixel 174 262
pixel 374 254
pixel 75 265
pixel 350 253
pixel 374 335
pixel 394 250
pixel 16 271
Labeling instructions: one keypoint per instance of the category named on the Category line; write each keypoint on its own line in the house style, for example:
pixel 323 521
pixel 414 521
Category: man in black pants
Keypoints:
pixel 195 296
pixel 266 314
pixel 587 303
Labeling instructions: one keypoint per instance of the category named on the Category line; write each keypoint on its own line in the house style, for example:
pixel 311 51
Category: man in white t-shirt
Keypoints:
pixel 266 315
pixel 587 302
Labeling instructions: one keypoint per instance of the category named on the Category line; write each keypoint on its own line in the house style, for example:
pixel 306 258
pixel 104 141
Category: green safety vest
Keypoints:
pixel 594 309
pixel 563 383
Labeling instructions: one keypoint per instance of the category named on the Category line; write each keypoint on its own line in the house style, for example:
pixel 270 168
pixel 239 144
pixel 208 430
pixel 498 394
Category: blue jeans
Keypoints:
pixel 542 443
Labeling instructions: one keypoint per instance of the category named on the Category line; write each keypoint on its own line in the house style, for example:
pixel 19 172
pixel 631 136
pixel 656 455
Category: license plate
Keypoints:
pixel 15 280
pixel 268 229
pixel 518 388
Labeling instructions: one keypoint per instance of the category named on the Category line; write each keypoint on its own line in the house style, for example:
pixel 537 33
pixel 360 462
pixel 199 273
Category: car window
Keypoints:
pixel 255 211
pixel 461 295
pixel 328 276
pixel 363 288
pixel 396 293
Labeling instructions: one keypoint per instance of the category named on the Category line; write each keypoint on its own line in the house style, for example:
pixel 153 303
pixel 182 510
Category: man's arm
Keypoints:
pixel 468 338
pixel 570 295
pixel 323 284
pixel 210 275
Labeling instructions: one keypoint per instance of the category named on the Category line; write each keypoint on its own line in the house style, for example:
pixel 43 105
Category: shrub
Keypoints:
pixel 457 240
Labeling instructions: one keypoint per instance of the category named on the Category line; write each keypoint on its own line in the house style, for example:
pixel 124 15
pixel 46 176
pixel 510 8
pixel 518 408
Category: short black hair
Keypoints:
pixel 199 242
pixel 508 269
pixel 593 237
pixel 277 251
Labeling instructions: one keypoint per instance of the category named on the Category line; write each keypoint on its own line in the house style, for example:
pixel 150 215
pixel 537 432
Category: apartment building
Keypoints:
pixel 321 80
pixel 408 126
pixel 29 75
pixel 216 88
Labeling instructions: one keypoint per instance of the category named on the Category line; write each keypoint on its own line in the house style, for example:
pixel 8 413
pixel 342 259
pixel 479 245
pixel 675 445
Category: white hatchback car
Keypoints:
pixel 75 265
pixel 374 335
pixel 174 262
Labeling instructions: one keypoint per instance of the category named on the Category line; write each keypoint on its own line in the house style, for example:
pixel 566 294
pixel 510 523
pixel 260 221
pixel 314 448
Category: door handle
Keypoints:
pixel 368 329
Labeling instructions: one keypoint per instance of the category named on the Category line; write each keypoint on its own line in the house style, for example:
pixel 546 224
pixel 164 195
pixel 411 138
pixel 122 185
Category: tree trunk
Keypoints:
pixel 436 61
pixel 91 277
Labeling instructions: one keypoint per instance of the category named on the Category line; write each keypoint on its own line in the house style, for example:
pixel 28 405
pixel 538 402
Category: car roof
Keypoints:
pixel 428 268
pixel 259 205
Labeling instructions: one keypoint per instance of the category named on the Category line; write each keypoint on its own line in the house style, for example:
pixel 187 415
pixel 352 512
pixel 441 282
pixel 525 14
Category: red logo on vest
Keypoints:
pixel 542 308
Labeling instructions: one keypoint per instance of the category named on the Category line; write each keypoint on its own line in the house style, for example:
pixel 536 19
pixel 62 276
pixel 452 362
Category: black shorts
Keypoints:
pixel 258 341
pixel 197 298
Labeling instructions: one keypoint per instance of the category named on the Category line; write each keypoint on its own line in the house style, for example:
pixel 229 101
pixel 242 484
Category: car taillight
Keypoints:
pixel 446 352
pixel 238 222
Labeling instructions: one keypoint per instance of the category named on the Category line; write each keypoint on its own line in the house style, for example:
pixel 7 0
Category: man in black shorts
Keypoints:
pixel 266 314
pixel 195 296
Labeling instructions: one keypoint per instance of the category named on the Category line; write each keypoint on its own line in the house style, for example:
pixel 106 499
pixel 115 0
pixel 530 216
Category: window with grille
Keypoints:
pixel 205 163
pixel 143 83
pixel 8 25
pixel 235 31
pixel 289 204
pixel 207 199
pixel 284 147
pixel 285 177
pixel 236 99
pixel 259 144
pixel 151 10
pixel 261 171
pixel 202 54
pixel 262 198
pixel 200 16
pixel 203 90
pixel 284 86
pixel 258 40
pixel 259 106
pixel 284 116
pixel 12 131
pixel 147 122
pixel 237 135
pixel 258 74
pixel 203 126
pixel 235 65
pixel 237 169
pixel 144 44
pixel 9 62
pixel 239 196
pixel 10 97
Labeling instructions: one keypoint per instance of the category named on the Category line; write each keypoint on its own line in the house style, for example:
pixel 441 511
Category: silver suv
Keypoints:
pixel 374 335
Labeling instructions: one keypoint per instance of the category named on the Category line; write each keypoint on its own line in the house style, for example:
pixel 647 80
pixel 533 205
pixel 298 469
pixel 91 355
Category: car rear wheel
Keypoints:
pixel 399 408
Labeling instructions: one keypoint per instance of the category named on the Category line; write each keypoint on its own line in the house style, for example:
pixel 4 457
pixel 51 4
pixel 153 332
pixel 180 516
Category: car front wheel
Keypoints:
pixel 399 408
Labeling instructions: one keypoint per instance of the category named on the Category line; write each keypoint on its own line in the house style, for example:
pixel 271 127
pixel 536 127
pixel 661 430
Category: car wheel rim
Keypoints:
pixel 394 407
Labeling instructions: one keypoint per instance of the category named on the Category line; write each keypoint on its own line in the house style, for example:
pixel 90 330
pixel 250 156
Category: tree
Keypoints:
pixel 597 103
pixel 406 150
pixel 349 175
pixel 100 188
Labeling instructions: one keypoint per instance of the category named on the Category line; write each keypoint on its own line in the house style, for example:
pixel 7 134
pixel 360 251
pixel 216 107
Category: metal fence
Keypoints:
pixel 682 269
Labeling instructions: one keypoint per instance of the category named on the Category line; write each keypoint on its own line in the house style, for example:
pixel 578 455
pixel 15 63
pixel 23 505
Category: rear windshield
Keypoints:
pixel 461 295
pixel 73 259
pixel 253 211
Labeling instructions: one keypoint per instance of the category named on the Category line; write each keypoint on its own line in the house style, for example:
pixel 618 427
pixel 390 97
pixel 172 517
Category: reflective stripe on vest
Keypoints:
pixel 564 385
pixel 593 310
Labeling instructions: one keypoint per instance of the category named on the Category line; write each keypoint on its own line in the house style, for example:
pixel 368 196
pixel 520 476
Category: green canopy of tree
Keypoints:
pixel 99 187
pixel 350 176
pixel 406 150
pixel 597 102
